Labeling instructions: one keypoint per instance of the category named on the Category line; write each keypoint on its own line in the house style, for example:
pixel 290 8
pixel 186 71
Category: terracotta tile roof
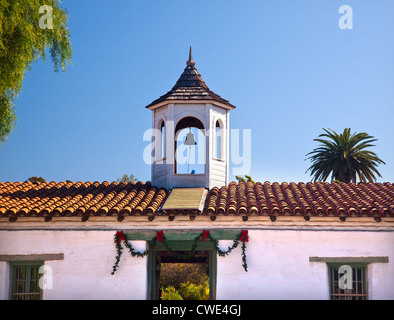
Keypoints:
pixel 103 198
pixel 70 198
pixel 319 198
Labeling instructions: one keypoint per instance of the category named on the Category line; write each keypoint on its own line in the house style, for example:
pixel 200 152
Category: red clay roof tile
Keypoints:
pixel 134 198
pixel 320 198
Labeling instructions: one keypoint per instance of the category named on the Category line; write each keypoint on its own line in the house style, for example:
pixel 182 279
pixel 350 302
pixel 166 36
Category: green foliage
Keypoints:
pixel 119 236
pixel 36 180
pixel 345 157
pixel 242 179
pixel 22 42
pixel 127 178
pixel 189 280
pixel 192 291
pixel 170 293
pixel 187 291
pixel 174 274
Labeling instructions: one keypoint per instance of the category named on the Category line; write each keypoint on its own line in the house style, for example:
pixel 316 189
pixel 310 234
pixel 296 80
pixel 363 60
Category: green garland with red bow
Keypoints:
pixel 120 236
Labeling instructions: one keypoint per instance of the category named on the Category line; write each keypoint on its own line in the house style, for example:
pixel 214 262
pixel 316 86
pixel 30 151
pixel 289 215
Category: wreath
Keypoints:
pixel 120 236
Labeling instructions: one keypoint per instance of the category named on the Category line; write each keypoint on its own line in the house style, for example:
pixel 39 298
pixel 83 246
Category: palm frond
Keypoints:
pixel 344 157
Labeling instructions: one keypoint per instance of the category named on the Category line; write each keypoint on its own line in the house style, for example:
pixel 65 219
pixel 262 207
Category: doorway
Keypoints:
pixel 201 262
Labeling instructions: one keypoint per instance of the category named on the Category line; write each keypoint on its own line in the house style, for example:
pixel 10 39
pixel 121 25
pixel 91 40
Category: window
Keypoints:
pixel 348 282
pixel 163 140
pixel 348 276
pixel 25 278
pixel 218 135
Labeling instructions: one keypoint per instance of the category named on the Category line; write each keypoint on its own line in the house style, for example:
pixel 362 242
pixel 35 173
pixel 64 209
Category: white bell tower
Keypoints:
pixel 191 134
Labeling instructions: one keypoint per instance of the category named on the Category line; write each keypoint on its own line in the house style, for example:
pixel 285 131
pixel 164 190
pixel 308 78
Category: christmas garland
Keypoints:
pixel 119 236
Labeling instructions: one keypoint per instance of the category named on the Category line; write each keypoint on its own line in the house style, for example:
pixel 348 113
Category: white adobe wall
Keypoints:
pixel 85 272
pixel 279 267
pixel 278 260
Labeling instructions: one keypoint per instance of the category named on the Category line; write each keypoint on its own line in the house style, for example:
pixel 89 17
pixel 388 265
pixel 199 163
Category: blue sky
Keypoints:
pixel 286 65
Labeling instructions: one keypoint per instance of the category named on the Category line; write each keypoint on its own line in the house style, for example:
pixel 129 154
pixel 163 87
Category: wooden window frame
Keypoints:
pixel 27 265
pixel 27 259
pixel 349 294
pixel 353 262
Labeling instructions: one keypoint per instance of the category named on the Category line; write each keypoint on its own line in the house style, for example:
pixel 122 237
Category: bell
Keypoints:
pixel 189 141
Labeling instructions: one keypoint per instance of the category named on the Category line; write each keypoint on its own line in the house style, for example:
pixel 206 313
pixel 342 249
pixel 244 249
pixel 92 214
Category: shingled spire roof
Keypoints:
pixel 190 86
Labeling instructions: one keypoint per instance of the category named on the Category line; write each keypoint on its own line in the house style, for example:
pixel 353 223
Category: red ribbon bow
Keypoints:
pixel 160 236
pixel 204 235
pixel 120 236
pixel 244 235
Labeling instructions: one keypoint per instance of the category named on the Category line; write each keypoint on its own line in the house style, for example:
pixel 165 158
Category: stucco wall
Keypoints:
pixel 85 272
pixel 279 267
pixel 278 262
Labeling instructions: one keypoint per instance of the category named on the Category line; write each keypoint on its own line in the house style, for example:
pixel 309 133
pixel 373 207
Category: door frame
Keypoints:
pixel 181 240
pixel 181 246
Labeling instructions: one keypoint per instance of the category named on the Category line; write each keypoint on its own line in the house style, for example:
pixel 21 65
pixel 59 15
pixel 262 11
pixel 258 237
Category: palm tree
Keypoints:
pixel 344 156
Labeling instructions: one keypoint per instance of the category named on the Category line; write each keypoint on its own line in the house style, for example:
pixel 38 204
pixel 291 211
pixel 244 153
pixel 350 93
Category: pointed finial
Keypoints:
pixel 190 62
